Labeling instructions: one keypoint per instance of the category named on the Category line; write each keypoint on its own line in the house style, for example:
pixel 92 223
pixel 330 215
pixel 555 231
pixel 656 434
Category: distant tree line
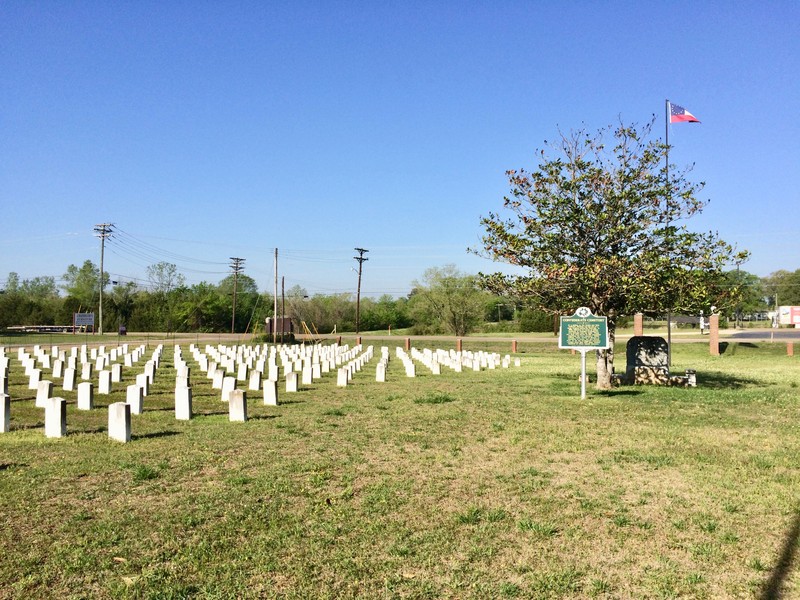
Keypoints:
pixel 444 301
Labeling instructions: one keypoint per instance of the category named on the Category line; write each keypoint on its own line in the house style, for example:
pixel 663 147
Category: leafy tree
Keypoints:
pixel 164 280
pixel 202 307
pixel 164 277
pixel 12 283
pixel 785 285
pixel 384 313
pixel 447 300
pixel 750 291
pixel 246 299
pixel 39 287
pixel 83 283
pixel 602 227
pixel 122 301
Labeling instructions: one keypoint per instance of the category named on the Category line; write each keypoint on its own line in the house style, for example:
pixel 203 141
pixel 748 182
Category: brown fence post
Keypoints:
pixel 638 324
pixel 713 335
pixel 513 346
pixel 408 344
pixel 789 348
pixel 358 341
pixel 458 345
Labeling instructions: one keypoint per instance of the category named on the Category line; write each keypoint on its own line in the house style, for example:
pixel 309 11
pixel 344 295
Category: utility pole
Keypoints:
pixel 275 303
pixel 103 231
pixel 361 259
pixel 237 266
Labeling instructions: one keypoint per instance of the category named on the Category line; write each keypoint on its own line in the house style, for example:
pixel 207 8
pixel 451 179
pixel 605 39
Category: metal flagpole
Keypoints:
pixel 669 197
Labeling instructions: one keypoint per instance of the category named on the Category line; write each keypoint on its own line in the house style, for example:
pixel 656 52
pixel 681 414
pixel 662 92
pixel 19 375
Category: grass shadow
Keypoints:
pixel 155 434
pixel 6 466
pixel 716 380
pixel 261 417
pixel 17 427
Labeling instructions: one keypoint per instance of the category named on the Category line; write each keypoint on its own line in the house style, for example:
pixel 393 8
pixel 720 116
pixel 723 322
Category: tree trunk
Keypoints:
pixel 605 360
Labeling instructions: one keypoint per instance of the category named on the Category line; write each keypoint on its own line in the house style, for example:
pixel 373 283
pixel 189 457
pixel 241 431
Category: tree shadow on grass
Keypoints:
pixel 772 587
pixel 620 392
pixel 716 380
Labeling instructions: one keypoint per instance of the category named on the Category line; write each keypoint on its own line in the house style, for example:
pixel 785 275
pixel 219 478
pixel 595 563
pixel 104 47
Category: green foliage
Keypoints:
pixel 785 285
pixel 601 226
pixel 536 320
pixel 83 283
pixel 446 300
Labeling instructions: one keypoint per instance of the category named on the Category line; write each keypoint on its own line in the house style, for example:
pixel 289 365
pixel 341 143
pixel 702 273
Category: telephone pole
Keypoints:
pixel 103 231
pixel 237 266
pixel 361 259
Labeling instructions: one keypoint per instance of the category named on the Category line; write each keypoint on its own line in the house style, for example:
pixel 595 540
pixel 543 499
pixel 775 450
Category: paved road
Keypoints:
pixel 766 335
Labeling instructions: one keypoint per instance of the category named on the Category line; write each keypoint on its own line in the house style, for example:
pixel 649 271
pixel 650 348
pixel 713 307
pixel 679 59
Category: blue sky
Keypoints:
pixel 210 130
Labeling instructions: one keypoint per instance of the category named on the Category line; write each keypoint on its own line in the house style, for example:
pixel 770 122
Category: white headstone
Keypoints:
pixel 291 382
pixel 183 403
pixel 69 380
pixel 119 421
pixel 144 383
pixel 5 413
pixel 55 417
pixel 85 395
pixel 134 396
pixel 34 379
pixel 228 385
pixel 86 371
pixel 237 406
pixel 271 392
pixel 43 392
pixel 255 381
pixel 104 386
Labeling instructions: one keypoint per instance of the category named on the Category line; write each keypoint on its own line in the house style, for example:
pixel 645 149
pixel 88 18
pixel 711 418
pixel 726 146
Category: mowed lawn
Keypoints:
pixel 493 484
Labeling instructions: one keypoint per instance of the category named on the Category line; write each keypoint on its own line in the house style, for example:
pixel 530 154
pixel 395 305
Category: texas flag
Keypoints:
pixel 678 114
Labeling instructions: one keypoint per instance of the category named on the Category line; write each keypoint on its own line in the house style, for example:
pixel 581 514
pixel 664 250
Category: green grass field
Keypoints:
pixel 497 484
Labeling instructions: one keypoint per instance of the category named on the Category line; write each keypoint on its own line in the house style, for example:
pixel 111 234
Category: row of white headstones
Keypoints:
pixel 260 366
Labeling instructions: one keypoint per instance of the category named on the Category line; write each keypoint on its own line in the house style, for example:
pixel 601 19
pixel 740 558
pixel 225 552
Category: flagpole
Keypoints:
pixel 669 197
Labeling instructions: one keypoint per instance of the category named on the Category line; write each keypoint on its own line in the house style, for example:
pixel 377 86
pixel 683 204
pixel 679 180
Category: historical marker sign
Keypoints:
pixel 583 332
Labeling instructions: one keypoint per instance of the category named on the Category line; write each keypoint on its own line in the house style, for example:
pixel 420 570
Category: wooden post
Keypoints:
pixel 713 335
pixel 408 344
pixel 789 348
pixel 513 346
pixel 638 324
pixel 458 345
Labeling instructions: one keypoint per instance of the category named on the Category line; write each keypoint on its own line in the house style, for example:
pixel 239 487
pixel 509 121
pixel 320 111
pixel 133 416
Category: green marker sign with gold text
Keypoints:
pixel 583 331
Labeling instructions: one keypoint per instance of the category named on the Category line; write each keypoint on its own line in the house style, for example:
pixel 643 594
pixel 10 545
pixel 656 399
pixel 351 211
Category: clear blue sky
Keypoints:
pixel 208 130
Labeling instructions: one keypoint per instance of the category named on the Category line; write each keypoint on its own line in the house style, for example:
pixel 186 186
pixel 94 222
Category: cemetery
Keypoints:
pixel 431 469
